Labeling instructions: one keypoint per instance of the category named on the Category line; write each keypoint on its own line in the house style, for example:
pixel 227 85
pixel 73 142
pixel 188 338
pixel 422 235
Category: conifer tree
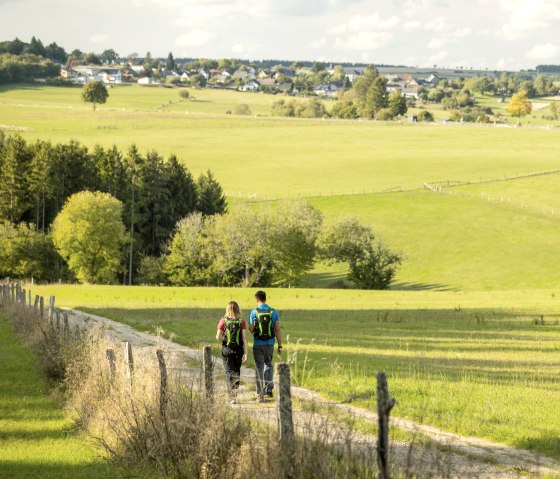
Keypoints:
pixel 211 199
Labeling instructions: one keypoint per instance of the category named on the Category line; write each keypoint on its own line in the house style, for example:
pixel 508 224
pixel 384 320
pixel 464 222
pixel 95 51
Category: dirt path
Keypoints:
pixel 450 455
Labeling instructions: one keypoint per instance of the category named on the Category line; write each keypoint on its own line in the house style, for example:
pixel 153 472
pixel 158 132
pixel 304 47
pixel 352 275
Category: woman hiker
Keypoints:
pixel 232 332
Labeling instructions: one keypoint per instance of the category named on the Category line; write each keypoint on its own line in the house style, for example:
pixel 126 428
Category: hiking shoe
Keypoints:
pixel 233 401
pixel 269 394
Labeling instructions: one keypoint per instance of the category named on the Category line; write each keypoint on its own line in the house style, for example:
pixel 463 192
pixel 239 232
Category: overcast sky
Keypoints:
pixel 502 34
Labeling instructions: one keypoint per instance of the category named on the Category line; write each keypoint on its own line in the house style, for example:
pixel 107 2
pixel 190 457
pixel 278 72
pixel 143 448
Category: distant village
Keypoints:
pixel 278 79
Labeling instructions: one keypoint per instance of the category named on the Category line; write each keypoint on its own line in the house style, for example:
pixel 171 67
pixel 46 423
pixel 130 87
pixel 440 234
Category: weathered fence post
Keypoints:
pixel 51 310
pixel 110 354
pixel 208 371
pixel 13 292
pixel 57 312
pixel 77 332
pixel 163 382
pixel 22 298
pixel 29 293
pixel 286 436
pixel 42 307
pixel 384 406
pixel 66 326
pixel 128 361
pixel 36 305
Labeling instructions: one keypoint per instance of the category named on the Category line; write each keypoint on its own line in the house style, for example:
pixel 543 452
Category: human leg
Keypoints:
pixel 258 355
pixel 228 358
pixel 268 368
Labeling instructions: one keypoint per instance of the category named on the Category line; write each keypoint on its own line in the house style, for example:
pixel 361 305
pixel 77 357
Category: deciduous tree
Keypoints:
pixel 372 265
pixel 519 105
pixel 89 234
pixel 95 92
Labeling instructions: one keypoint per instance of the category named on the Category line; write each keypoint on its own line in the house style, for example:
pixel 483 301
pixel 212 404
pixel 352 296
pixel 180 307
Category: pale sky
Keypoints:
pixel 494 34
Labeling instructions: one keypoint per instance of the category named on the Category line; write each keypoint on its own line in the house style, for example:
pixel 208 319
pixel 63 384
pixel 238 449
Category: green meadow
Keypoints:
pixel 470 333
pixel 36 437
pixel 305 157
pixel 448 241
pixel 478 363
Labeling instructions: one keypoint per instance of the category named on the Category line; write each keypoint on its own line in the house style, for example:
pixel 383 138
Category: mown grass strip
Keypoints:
pixel 36 437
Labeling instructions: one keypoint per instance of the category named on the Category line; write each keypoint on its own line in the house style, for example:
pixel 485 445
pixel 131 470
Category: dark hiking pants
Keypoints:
pixel 232 359
pixel 264 371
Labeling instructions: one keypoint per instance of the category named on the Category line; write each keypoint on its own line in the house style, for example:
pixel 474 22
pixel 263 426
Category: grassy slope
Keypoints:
pixel 362 156
pixel 456 242
pixel 475 363
pixel 539 192
pixel 36 439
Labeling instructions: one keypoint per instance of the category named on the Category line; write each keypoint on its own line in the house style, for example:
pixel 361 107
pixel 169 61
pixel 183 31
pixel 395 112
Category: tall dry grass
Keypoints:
pixel 187 436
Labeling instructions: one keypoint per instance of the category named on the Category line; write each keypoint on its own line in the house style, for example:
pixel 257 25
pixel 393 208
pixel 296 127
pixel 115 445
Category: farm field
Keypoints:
pixel 455 242
pixel 540 193
pixel 36 439
pixel 362 156
pixel 478 363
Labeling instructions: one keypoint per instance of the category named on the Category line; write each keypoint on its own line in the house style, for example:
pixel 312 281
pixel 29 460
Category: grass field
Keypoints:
pixel 448 241
pixel 479 363
pixel 461 336
pixel 36 438
pixel 361 156
pixel 455 242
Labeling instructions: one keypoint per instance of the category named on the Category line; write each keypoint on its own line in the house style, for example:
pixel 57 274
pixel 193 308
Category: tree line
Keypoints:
pixel 250 245
pixel 36 180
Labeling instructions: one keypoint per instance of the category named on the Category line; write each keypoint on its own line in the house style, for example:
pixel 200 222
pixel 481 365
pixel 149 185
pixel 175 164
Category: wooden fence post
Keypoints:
pixel 42 307
pixel 110 354
pixel 22 298
pixel 29 292
pixel 128 361
pixel 384 405
pixel 163 382
pixel 57 312
pixel 77 332
pixel 13 292
pixel 66 326
pixel 208 371
pixel 51 310
pixel 286 436
pixel 36 305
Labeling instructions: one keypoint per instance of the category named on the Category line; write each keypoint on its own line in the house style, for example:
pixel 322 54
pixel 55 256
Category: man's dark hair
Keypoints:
pixel 260 296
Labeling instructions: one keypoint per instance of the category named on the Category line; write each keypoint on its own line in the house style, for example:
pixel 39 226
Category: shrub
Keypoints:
pixel 242 109
pixel 384 115
pixel 184 93
pixel 425 115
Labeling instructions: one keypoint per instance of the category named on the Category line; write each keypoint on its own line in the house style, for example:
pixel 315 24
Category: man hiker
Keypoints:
pixel 264 323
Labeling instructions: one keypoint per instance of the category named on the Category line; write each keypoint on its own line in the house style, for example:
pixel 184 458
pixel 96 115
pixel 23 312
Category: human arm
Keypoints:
pixel 278 334
pixel 252 317
pixel 219 335
pixel 221 329
pixel 244 336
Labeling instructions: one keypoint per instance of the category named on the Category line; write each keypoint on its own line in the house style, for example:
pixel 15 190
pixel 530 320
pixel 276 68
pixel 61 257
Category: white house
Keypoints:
pixel 147 81
pixel 326 89
pixel 251 85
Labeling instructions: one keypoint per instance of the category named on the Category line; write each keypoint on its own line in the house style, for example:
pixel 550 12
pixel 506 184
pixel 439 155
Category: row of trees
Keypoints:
pixel 248 246
pixel 24 68
pixel 36 179
pixel 369 98
pixel 262 246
